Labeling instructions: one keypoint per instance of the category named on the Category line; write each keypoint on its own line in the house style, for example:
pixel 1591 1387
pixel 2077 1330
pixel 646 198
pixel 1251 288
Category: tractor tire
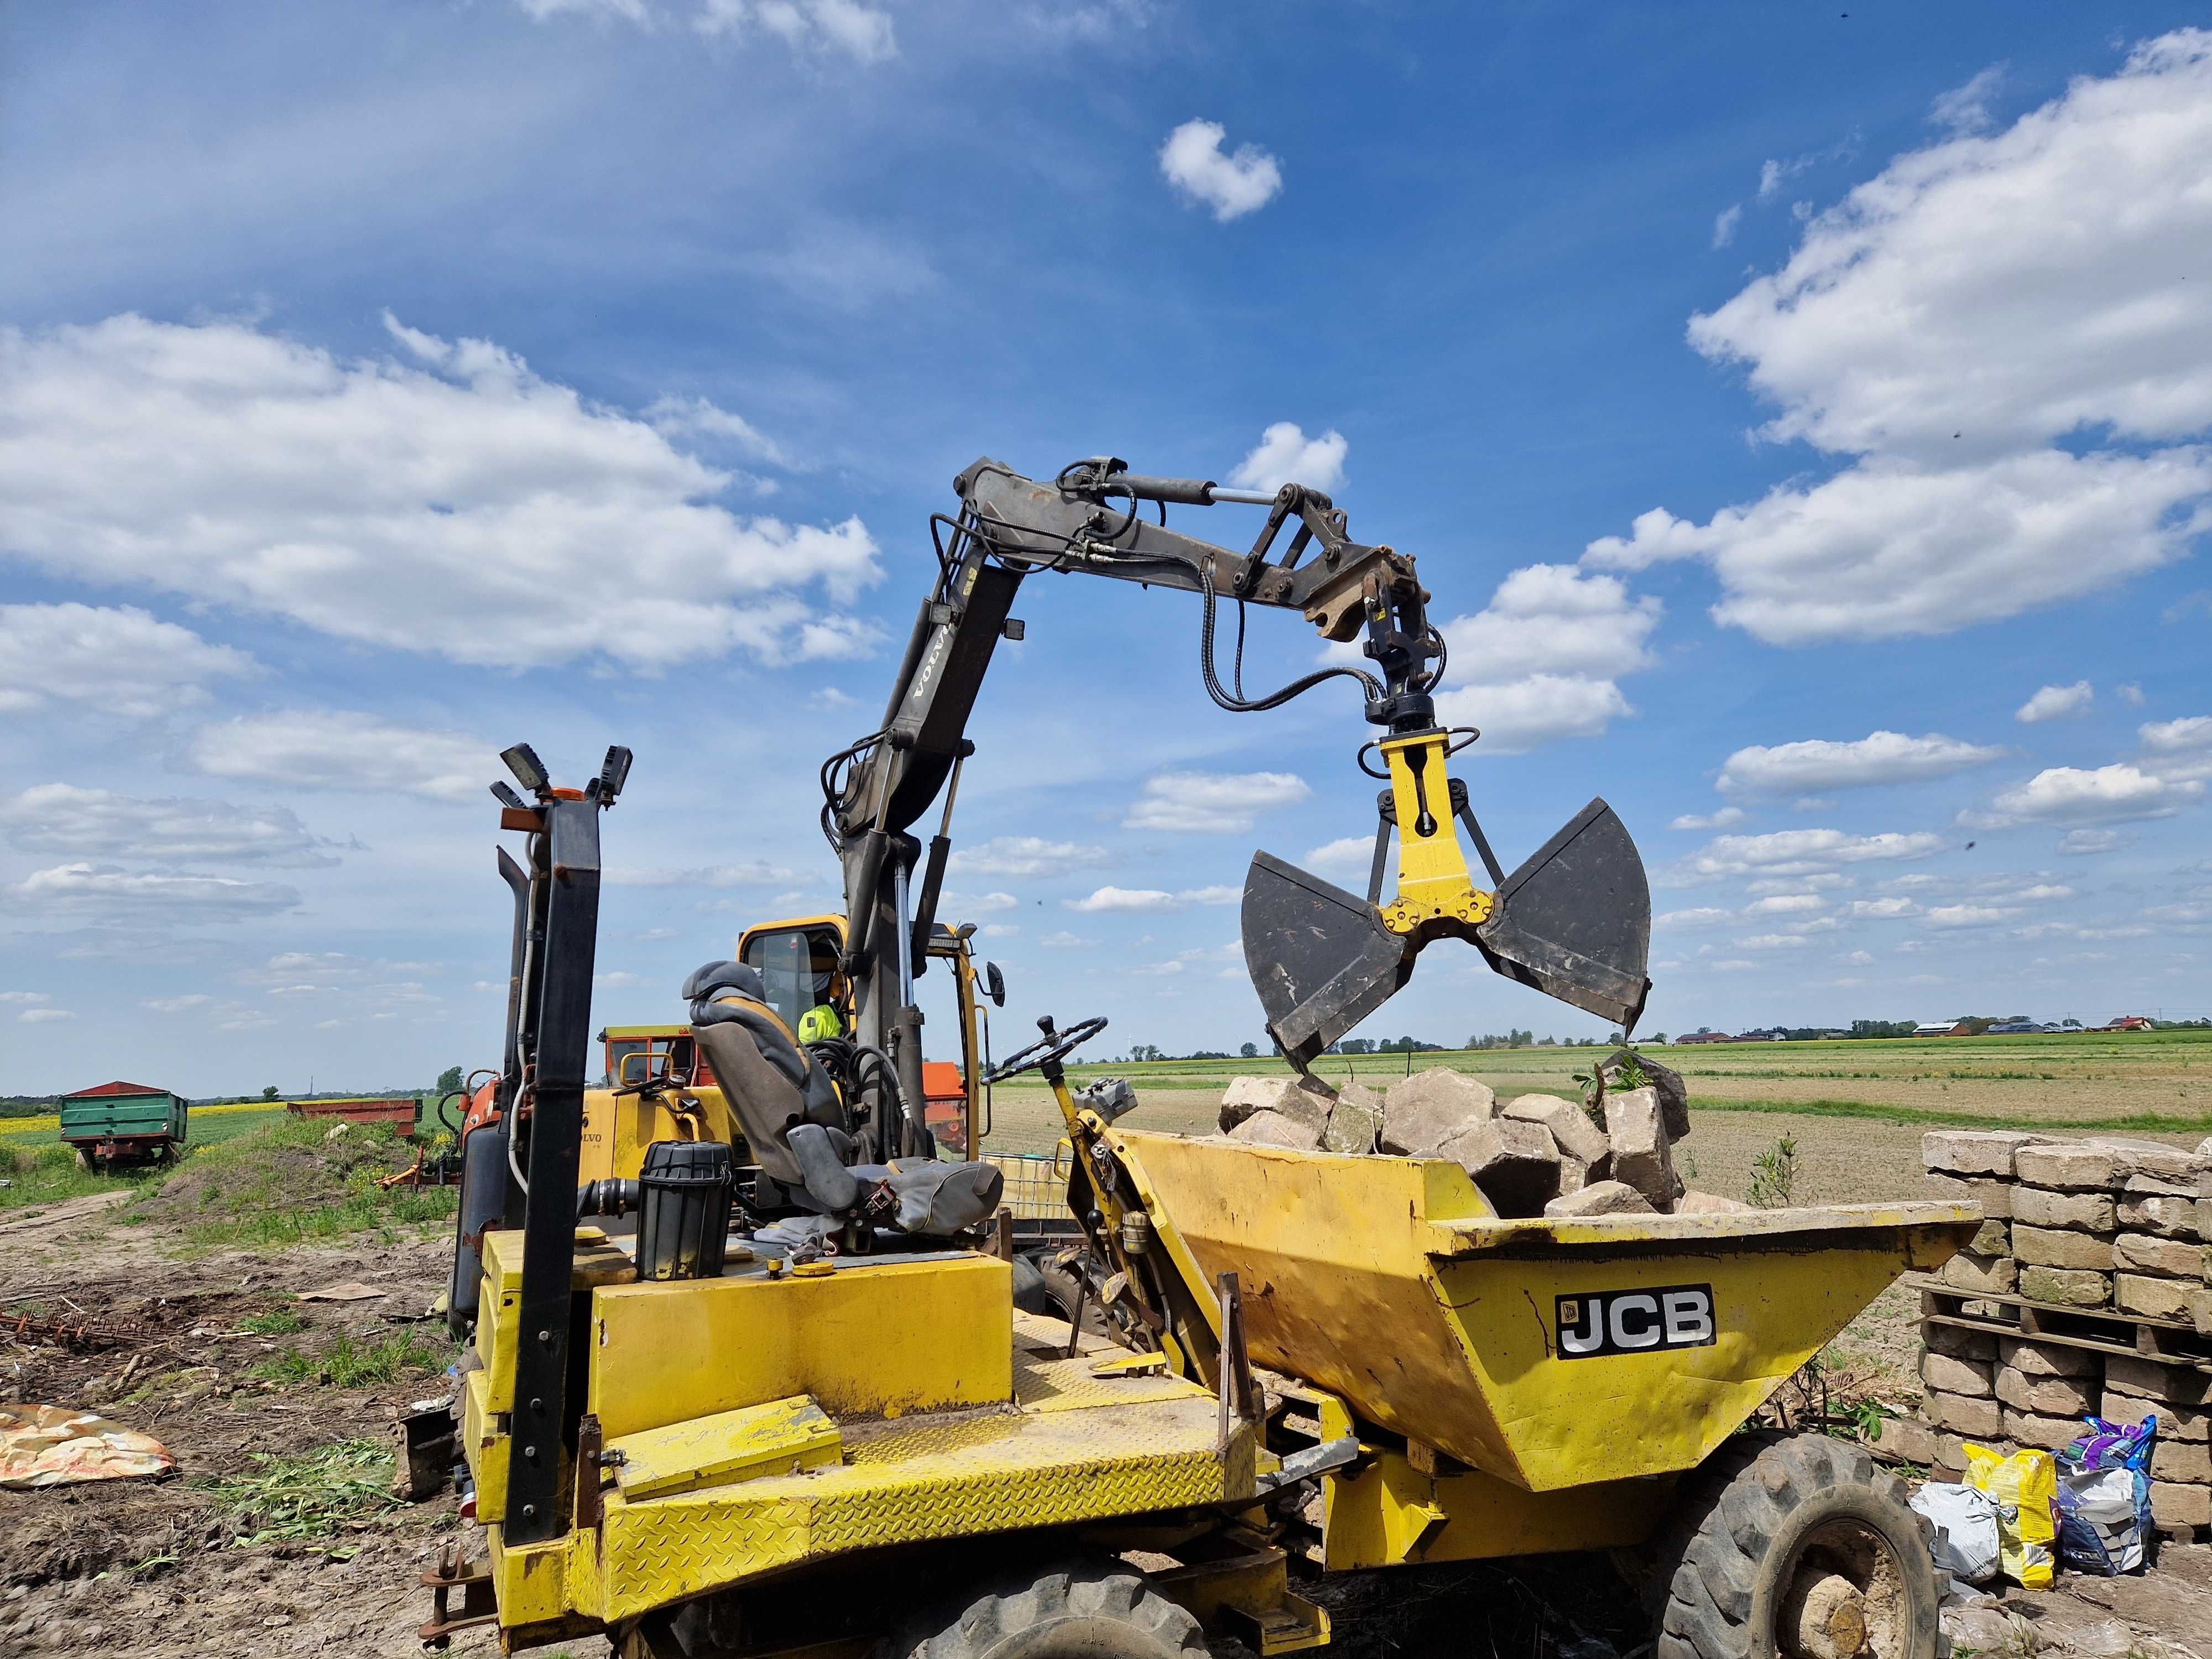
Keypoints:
pixel 1080 1609
pixel 1794 1546
pixel 86 1162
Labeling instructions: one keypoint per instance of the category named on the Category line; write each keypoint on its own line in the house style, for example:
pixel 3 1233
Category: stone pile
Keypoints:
pixel 1538 1155
pixel 2106 1238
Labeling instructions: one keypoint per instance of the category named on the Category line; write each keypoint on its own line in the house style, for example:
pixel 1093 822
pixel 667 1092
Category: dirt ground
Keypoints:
pixel 151 1567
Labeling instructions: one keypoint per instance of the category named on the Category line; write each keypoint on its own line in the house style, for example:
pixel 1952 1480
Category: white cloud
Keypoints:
pixel 115 660
pixel 1724 224
pixel 1232 185
pixel 864 34
pixel 699 417
pixel 1857 959
pixel 1773 942
pixel 2119 793
pixel 1159 967
pixel 1969 915
pixel 1213 803
pixel 2055 703
pixel 39 1016
pixel 1965 109
pixel 1540 661
pixel 1705 916
pixel 1127 900
pixel 460 505
pixel 59 817
pixel 1786 904
pixel 180 1005
pixel 999 930
pixel 1945 328
pixel 346 751
pixel 748 872
pixel 1027 855
pixel 2082 844
pixel 972 904
pixel 1285 455
pixel 1727 818
pixel 104 891
pixel 1894 909
pixel 1803 851
pixel 1065 941
pixel 616 980
pixel 1219 895
pixel 1348 855
pixel 1879 758
pixel 2179 737
pixel 2130 694
pixel 32 997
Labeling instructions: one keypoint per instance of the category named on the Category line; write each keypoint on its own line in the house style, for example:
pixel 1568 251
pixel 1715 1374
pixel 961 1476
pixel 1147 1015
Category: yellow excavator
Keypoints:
pixel 770 1395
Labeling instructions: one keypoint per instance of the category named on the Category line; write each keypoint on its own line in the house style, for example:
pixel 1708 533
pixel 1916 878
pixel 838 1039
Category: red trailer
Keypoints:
pixel 400 1113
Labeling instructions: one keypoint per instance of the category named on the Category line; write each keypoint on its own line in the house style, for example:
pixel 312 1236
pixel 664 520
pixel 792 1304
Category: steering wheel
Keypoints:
pixel 1053 1046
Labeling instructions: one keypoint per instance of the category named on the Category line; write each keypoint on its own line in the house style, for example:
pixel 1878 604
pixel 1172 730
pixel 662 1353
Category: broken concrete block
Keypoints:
pixel 1993 1276
pixel 2088 1213
pixel 1978 1418
pixel 2180 1507
pixel 1950 1453
pixel 1635 1127
pixel 1569 1124
pixel 2034 1359
pixel 2071 1167
pixel 2164 1258
pixel 1355 1121
pixel 1674 1093
pixel 1599 1197
pixel 2149 1160
pixel 1995 1238
pixel 2179 1459
pixel 1960 1344
pixel 2050 1396
pixel 1274 1130
pixel 1972 1151
pixel 2034 1429
pixel 1294 1098
pixel 2163 1213
pixel 2059 1246
pixel 2185 1385
pixel 1422 1111
pixel 1711 1204
pixel 1966 1377
pixel 2066 1288
pixel 2154 1298
pixel 1513 1162
pixel 2174 1422
pixel 1906 1441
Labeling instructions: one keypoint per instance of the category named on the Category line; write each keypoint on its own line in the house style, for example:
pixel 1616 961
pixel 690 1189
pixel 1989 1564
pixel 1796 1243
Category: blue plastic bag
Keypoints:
pixel 2104 1498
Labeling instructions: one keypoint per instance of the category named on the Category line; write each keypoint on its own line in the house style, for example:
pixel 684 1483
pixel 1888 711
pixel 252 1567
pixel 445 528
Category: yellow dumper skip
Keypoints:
pixel 1545 1354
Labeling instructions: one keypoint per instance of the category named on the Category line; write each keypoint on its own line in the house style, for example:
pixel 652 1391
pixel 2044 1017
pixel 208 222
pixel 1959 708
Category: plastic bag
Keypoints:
pixel 2104 1498
pixel 1967 1543
pixel 2024 1486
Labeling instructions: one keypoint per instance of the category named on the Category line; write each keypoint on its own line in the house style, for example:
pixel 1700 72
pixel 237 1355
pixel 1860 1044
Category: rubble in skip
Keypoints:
pixel 1537 1155
pixel 2086 1292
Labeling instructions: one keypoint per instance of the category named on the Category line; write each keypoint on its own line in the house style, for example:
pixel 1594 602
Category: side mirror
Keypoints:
pixel 994 984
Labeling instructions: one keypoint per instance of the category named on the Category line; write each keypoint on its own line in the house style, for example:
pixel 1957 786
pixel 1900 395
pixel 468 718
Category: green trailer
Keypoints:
pixel 117 1123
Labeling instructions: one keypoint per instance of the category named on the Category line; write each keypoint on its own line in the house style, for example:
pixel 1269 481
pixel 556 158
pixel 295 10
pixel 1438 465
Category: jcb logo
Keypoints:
pixel 1636 1321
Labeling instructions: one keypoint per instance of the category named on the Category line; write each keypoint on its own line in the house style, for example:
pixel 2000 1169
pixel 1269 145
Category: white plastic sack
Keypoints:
pixel 2100 1521
pixel 1966 1542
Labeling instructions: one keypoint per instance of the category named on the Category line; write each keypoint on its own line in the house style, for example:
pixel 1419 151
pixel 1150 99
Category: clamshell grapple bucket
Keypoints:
pixel 1547 1354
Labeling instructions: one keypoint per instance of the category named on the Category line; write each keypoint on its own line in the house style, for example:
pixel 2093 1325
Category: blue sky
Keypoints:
pixel 1799 415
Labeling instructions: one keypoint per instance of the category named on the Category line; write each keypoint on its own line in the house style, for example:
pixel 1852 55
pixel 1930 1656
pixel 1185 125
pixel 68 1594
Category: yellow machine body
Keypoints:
pixel 1390 1282
pixel 1434 892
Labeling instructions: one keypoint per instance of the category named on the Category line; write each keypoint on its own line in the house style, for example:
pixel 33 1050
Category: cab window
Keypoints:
pixel 798 966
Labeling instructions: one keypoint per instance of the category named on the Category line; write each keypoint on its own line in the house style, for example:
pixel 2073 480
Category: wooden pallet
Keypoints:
pixel 2101 1330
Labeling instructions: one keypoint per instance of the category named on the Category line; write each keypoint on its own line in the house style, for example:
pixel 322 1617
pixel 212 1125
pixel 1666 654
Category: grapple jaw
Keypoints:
pixel 1574 921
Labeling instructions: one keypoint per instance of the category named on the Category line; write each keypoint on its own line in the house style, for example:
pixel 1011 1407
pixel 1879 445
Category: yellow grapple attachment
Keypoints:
pixel 1574 920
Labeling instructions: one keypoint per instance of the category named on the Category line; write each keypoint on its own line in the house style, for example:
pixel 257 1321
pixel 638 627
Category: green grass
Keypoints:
pixel 2139 1122
pixel 283 1181
pixel 348 1363
pixel 278 1321
pixel 48 1174
pixel 308 1497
